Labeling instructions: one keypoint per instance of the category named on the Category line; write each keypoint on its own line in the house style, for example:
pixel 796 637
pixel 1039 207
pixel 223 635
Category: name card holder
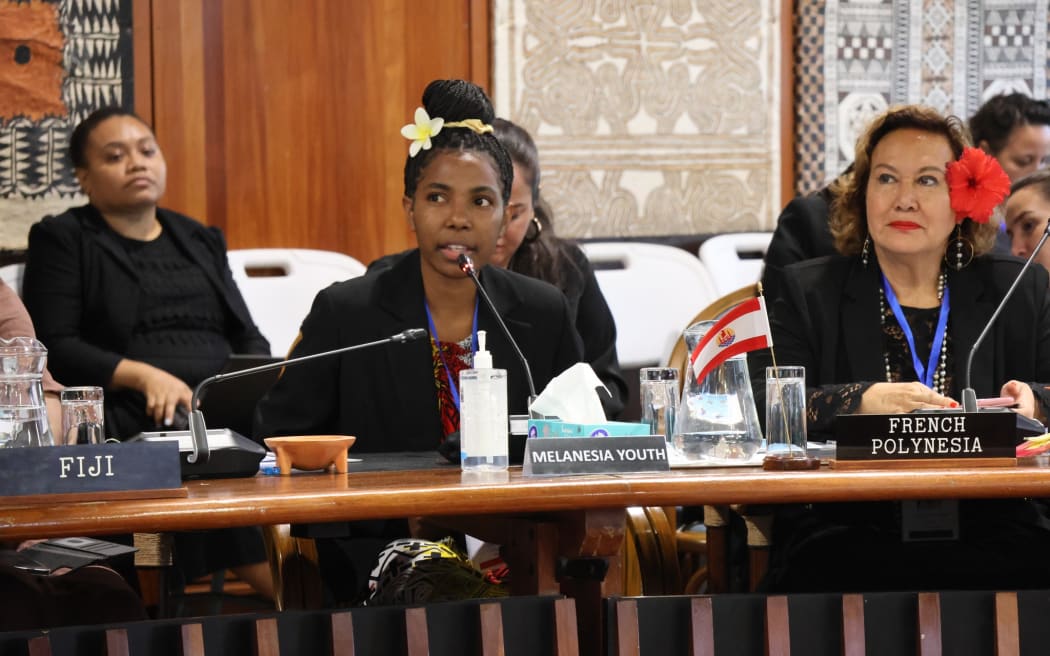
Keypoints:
pixel 104 471
pixel 940 439
pixel 564 456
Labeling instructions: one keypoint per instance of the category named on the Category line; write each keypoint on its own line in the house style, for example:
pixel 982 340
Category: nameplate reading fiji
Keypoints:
pixel 561 456
pixel 926 436
pixel 89 468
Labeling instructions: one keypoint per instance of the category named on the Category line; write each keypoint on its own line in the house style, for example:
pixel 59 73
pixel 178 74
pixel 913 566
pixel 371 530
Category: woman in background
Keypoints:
pixel 140 300
pixel 528 245
pixel 1014 129
pixel 1027 211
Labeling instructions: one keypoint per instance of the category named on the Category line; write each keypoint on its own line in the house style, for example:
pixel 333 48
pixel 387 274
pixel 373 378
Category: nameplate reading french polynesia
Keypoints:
pixel 561 456
pixel 926 436
pixel 90 468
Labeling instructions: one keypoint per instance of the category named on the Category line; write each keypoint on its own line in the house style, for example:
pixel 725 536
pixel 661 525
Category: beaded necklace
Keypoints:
pixel 934 379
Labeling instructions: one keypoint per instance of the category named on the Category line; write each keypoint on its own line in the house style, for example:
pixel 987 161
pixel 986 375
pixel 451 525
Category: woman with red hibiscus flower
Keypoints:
pixel 886 328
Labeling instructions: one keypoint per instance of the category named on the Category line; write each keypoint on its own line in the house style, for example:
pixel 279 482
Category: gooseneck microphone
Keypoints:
pixel 198 430
pixel 969 395
pixel 466 265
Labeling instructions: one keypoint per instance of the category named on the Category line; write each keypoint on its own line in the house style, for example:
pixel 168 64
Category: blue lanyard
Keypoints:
pixel 441 354
pixel 925 374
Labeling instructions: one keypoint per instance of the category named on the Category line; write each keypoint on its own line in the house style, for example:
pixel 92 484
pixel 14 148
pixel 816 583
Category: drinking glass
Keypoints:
pixel 658 391
pixel 786 417
pixel 82 415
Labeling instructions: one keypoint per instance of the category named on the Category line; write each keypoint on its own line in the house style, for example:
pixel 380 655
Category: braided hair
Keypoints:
pixel 459 100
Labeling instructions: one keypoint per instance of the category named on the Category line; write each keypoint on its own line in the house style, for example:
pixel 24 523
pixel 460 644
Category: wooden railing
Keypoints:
pixel 898 623
pixel 516 625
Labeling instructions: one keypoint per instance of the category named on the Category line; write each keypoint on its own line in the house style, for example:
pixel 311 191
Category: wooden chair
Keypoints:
pixel 659 560
pixel 293 565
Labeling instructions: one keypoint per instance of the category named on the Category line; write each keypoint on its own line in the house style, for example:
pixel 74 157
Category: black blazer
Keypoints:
pixel 593 320
pixel 82 291
pixel 386 395
pixel 802 233
pixel 596 326
pixel 826 319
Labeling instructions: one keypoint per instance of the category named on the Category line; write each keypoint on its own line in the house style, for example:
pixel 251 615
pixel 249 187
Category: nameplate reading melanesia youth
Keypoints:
pixel 561 456
pixel 927 436
pixel 132 470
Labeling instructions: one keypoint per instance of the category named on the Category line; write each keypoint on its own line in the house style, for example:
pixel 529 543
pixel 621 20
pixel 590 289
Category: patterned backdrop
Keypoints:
pixel 59 60
pixel 651 118
pixel 854 58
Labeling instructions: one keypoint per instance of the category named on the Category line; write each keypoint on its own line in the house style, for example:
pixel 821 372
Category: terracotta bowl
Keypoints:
pixel 311 452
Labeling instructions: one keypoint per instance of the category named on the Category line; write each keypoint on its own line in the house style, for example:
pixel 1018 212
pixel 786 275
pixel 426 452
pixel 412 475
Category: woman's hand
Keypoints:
pixel 1024 397
pixel 163 391
pixel 891 398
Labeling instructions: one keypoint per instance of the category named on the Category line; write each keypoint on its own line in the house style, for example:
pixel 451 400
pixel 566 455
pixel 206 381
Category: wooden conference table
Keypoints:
pixel 542 521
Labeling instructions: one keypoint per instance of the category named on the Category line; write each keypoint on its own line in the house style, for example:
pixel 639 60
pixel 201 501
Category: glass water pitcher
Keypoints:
pixel 23 415
pixel 717 419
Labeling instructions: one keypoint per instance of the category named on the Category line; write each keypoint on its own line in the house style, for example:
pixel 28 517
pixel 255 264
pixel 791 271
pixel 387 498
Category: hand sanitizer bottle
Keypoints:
pixel 483 414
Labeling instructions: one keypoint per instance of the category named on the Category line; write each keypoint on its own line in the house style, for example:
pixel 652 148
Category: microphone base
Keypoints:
pixel 969 400
pixel 231 454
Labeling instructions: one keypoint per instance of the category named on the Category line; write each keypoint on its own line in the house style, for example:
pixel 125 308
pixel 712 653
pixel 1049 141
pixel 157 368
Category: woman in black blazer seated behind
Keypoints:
pixel 139 300
pixel 404 397
pixel 528 245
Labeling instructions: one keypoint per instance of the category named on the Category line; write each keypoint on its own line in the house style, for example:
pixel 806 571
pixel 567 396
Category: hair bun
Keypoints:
pixel 457 100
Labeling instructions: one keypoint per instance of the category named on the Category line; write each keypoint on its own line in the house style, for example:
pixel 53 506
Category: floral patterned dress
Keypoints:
pixel 457 357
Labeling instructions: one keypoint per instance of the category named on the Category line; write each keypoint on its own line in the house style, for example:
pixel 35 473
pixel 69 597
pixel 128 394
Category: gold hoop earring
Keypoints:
pixel 960 249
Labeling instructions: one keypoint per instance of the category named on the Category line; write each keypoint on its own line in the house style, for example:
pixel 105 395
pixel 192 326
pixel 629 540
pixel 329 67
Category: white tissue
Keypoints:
pixel 572 396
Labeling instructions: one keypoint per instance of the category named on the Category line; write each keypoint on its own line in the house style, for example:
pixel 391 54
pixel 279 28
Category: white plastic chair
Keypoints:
pixel 279 285
pixel 12 275
pixel 653 291
pixel 735 259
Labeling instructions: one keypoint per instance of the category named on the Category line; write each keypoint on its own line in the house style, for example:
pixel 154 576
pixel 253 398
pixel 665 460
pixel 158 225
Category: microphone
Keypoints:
pixel 466 265
pixel 969 395
pixel 198 430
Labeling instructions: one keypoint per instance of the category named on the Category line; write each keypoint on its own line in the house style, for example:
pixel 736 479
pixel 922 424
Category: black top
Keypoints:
pixel 827 320
pixel 181 323
pixel 597 328
pixel 801 234
pixel 592 317
pixel 823 403
pixel 91 302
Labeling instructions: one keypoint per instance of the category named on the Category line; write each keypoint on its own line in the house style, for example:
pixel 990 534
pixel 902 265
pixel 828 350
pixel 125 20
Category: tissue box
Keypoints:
pixel 555 428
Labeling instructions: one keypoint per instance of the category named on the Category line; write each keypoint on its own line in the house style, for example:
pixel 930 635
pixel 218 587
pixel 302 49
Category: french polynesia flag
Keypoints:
pixel 744 328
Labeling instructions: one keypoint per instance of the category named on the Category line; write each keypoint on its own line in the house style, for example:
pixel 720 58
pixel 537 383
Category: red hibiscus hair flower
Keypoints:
pixel 976 185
